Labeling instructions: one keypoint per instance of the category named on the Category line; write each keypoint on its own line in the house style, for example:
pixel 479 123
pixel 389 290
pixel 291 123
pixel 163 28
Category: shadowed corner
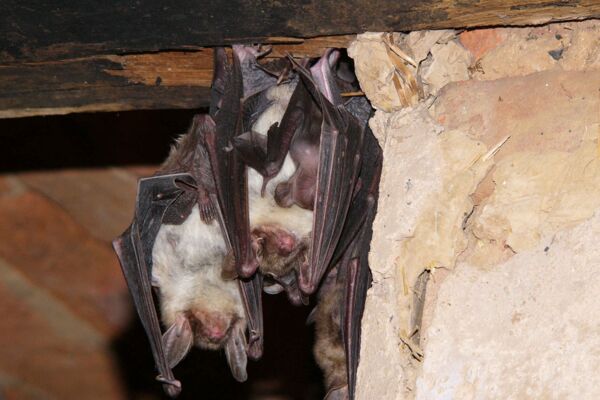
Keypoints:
pixel 90 140
pixel 204 374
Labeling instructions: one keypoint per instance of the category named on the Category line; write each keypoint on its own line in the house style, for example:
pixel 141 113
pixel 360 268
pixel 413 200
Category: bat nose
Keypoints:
pixel 214 333
pixel 212 327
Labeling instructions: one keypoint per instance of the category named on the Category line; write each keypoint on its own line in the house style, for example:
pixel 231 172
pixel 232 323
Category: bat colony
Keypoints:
pixel 273 190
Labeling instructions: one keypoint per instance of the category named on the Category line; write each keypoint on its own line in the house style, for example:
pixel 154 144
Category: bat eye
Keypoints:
pixel 159 196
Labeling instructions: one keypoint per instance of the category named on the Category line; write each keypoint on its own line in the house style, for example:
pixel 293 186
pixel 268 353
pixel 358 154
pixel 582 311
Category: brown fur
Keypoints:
pixel 278 259
pixel 329 347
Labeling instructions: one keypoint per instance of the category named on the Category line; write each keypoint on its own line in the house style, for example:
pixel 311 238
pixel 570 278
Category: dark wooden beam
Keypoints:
pixel 102 84
pixel 36 30
pixel 63 56
pixel 118 83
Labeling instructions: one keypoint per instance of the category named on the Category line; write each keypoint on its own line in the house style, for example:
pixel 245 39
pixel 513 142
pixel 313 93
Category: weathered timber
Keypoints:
pixel 101 84
pixel 118 83
pixel 36 30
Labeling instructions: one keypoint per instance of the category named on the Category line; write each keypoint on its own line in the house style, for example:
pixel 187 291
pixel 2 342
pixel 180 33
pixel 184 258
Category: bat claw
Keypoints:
pixel 247 269
pixel 262 51
pixel 172 387
pixel 207 212
pixel 254 349
pixel 306 285
pixel 263 188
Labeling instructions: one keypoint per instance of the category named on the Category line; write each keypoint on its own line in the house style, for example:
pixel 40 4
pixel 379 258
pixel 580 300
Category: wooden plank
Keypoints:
pixel 60 29
pixel 119 83
pixel 95 84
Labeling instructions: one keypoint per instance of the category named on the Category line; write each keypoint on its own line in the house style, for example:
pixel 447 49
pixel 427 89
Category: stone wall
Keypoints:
pixel 483 251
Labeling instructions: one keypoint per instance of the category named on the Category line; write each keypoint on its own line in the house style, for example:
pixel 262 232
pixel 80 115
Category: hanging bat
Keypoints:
pixel 188 217
pixel 191 220
pixel 311 167
pixel 338 164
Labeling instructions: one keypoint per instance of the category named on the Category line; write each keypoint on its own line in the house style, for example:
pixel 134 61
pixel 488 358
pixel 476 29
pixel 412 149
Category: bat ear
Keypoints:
pixel 273 289
pixel 177 340
pixel 235 352
pixel 337 393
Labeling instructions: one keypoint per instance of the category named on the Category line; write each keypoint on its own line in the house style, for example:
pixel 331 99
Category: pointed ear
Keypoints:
pixel 235 351
pixel 177 340
pixel 337 393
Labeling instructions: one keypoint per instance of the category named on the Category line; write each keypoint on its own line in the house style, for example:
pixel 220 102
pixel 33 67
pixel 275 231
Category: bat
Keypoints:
pixel 299 216
pixel 189 224
pixel 187 220
pixel 338 165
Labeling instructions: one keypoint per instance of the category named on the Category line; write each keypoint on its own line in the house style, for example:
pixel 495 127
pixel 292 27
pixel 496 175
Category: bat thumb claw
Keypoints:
pixel 255 350
pixel 306 285
pixel 172 387
pixel 247 269
pixel 266 179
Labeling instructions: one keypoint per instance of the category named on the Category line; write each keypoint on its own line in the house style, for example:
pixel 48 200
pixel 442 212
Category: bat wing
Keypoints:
pixel 157 197
pixel 356 281
pixel 230 178
pixel 346 196
pixel 267 156
pixel 366 189
pixel 278 67
pixel 256 78
pixel 338 168
pixel 228 168
pixel 251 290
pixel 354 265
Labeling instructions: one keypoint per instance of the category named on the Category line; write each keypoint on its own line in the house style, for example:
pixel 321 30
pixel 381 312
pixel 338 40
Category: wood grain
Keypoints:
pixel 60 29
pixel 176 79
pixel 61 56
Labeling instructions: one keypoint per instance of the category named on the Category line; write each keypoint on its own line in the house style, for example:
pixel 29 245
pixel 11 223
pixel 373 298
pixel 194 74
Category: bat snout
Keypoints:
pixel 211 327
pixel 213 333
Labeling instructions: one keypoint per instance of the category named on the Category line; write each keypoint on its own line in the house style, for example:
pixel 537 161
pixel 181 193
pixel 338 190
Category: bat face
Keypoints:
pixel 198 306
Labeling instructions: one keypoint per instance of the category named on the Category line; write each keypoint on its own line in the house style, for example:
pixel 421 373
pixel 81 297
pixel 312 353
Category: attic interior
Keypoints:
pixel 90 102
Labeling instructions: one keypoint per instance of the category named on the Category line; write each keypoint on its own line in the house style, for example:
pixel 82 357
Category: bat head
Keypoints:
pixel 272 239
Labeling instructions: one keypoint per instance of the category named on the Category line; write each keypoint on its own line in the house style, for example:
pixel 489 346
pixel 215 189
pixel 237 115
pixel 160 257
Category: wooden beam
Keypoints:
pixel 118 83
pixel 103 84
pixel 36 30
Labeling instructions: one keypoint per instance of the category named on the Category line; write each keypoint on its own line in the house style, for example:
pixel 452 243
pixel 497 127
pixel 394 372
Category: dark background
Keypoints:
pixel 132 142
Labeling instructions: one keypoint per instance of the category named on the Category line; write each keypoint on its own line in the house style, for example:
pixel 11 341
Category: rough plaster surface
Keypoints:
pixel 536 194
pixel 571 46
pixel 528 329
pixel 383 75
pixel 387 66
pixel 491 187
pixel 424 198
